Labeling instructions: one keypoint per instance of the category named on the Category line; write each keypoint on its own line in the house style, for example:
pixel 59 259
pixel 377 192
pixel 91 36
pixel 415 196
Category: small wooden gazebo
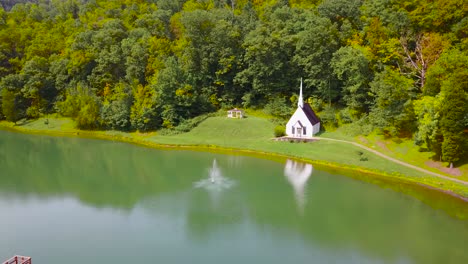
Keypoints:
pixel 235 113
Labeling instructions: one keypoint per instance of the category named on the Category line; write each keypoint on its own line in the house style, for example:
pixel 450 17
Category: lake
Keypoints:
pixel 75 200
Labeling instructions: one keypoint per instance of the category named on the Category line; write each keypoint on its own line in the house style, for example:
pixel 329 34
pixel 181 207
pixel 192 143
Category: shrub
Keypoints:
pixel 189 124
pixel 328 117
pixel 360 127
pixel 316 103
pixel 278 107
pixel 345 116
pixel 89 115
pixel 186 125
pixel 1 112
pixel 115 115
pixel 280 131
pixel 361 156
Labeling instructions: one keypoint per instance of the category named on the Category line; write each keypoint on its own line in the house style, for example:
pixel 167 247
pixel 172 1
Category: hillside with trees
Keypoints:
pixel 399 67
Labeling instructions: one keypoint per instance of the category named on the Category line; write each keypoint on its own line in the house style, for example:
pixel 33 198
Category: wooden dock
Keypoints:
pixel 18 260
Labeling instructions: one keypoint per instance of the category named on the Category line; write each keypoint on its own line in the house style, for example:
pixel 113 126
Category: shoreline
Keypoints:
pixel 368 175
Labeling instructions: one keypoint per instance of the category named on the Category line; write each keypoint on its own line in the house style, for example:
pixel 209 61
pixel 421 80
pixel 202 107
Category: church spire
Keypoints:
pixel 300 102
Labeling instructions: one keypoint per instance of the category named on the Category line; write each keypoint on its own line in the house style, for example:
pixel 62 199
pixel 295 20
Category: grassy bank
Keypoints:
pixel 253 136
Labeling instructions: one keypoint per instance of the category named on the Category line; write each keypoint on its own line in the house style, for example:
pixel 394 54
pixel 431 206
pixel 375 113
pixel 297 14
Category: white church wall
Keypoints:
pixel 316 128
pixel 299 115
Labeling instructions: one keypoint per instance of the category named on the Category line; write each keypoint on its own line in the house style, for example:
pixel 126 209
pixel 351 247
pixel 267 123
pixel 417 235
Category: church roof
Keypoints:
pixel 310 114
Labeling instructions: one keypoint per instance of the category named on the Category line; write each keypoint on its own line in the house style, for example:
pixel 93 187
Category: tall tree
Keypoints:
pixel 453 113
pixel 14 104
pixel 135 51
pixel 422 53
pixel 351 66
pixel 427 113
pixel 115 112
pixel 109 59
pixel 345 14
pixel 450 66
pixel 39 86
pixel 268 60
pixel 314 51
pixel 143 115
pixel 175 96
pixel 392 111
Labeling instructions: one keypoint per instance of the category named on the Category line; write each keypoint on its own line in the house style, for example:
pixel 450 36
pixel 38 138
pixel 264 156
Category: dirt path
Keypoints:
pixel 395 160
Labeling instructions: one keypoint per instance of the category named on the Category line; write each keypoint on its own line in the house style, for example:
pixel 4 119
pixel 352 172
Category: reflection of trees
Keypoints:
pixel 204 217
pixel 99 173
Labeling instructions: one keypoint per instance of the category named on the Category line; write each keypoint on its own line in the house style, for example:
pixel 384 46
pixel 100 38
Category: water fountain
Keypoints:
pixel 216 181
pixel 214 172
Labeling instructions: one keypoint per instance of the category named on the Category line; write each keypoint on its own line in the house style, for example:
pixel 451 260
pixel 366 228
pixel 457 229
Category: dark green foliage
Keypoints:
pixel 88 115
pixel 145 120
pixel 1 107
pixel 392 111
pixel 362 157
pixel 143 115
pixel 450 66
pixel 171 5
pixel 328 117
pixel 175 96
pixel 11 105
pixel 115 115
pixel 83 106
pixel 342 12
pixel 14 104
pixel 279 107
pixel 351 66
pixel 452 126
pixel 186 125
pixel 147 65
pixel 269 68
pixel 314 50
pixel 39 86
pixel 115 112
pixel 453 147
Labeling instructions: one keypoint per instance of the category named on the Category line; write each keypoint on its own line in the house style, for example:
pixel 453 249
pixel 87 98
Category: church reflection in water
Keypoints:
pixel 297 173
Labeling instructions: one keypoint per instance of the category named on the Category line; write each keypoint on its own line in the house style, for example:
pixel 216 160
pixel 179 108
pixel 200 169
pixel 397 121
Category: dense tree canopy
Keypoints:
pixel 399 66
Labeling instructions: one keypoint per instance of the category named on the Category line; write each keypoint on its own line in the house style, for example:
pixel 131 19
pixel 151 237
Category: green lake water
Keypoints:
pixel 73 200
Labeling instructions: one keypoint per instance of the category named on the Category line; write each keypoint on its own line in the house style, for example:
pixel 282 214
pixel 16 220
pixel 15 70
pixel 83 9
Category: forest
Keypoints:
pixel 394 66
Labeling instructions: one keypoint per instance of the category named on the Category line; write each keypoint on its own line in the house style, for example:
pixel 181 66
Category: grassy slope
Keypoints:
pixel 406 151
pixel 401 149
pixel 255 133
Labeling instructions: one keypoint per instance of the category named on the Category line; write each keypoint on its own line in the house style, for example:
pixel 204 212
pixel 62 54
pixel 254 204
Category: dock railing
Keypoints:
pixel 18 260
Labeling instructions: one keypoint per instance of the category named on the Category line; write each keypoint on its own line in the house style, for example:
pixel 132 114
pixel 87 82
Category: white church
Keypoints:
pixel 304 123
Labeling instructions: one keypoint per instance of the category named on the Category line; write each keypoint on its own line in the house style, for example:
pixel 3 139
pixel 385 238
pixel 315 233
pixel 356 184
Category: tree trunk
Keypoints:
pixel 451 165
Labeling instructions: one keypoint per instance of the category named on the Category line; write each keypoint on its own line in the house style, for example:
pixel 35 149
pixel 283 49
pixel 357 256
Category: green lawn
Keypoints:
pixel 405 150
pixel 255 134
pixel 402 149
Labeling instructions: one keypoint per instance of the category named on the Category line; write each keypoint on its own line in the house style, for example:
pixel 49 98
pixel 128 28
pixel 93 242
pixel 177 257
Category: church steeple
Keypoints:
pixel 300 102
